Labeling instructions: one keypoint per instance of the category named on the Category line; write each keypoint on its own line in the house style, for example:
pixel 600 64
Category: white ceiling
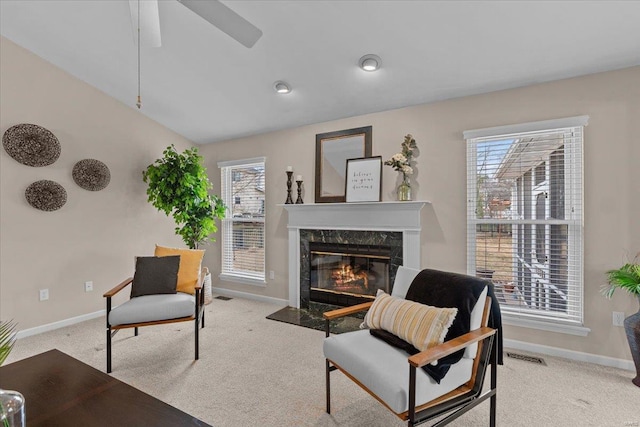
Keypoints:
pixel 207 87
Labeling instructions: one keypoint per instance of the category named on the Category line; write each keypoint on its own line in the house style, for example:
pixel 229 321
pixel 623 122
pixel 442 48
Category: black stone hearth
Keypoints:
pixel 311 317
pixel 388 239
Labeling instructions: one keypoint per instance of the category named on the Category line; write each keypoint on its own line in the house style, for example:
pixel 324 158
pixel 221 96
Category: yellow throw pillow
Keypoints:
pixel 190 263
pixel 423 326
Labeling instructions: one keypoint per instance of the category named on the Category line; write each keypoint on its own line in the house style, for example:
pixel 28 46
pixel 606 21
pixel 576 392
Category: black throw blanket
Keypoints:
pixel 445 289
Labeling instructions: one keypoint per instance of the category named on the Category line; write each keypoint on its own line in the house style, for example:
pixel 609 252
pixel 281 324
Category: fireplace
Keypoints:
pixel 354 254
pixel 347 274
pixel 392 226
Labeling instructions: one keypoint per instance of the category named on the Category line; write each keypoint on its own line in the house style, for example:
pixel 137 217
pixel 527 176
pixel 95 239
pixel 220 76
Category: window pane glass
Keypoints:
pixel 493 192
pixel 243 253
pixel 248 192
pixel 248 246
pixel 525 220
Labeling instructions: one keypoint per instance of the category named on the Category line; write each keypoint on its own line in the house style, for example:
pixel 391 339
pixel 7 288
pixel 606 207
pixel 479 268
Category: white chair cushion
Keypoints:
pixel 149 308
pixel 476 322
pixel 404 277
pixel 384 370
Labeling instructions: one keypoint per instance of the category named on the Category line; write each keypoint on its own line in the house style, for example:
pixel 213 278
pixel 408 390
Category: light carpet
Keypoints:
pixel 258 372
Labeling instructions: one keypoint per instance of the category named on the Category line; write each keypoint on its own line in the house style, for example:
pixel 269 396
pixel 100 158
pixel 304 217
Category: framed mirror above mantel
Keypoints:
pixel 332 151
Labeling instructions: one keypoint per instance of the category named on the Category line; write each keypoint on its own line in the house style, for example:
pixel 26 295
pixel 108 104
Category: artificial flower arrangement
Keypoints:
pixel 401 161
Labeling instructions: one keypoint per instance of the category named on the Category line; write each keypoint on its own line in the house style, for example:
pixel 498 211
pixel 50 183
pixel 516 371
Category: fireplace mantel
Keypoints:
pixel 375 216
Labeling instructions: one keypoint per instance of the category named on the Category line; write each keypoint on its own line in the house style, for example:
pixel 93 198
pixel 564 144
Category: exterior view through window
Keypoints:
pixel 525 220
pixel 243 192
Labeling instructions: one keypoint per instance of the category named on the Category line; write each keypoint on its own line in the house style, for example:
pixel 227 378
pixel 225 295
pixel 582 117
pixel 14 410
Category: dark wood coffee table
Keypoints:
pixel 62 391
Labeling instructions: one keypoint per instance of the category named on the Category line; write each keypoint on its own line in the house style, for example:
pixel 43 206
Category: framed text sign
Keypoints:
pixel 362 183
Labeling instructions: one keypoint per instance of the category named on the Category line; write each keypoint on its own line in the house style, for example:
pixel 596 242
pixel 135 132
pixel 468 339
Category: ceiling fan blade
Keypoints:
pixel 149 22
pixel 226 20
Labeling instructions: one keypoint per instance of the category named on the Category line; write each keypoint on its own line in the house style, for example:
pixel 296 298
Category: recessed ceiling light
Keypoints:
pixel 370 62
pixel 281 87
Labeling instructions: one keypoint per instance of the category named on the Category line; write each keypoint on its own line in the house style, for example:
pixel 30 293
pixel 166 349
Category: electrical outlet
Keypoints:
pixel 44 294
pixel 618 318
pixel 272 275
pixel 88 286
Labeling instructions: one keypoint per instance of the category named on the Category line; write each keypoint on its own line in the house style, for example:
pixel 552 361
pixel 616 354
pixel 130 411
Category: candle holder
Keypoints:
pixel 299 200
pixel 289 183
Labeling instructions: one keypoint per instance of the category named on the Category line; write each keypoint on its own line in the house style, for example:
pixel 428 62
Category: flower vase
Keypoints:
pixel 12 409
pixel 632 329
pixel 404 190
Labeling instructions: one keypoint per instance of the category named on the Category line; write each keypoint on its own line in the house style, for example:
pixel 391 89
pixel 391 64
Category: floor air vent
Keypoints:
pixel 524 357
pixel 223 298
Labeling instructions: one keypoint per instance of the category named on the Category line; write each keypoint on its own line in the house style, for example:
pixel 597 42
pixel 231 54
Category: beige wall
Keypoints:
pixel 612 189
pixel 96 234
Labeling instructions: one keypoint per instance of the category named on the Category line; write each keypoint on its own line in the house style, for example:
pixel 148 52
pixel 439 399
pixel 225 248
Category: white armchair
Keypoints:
pixel 395 378
pixel 155 298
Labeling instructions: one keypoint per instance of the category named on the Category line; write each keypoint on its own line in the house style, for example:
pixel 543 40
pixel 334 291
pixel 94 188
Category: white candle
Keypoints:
pixel 289 169
pixel 299 178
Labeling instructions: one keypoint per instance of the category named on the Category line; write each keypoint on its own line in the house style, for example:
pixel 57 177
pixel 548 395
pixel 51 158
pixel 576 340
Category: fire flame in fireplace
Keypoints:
pixel 345 275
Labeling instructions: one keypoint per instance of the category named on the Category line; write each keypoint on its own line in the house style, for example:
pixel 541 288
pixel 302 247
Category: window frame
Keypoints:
pixel 572 178
pixel 229 175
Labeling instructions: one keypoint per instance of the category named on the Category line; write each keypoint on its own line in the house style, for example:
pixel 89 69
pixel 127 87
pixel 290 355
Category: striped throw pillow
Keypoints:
pixel 421 325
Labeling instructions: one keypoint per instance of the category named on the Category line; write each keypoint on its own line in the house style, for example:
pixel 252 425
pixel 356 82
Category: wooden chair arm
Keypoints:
pixel 446 348
pixel 341 312
pixel 118 288
pixel 203 273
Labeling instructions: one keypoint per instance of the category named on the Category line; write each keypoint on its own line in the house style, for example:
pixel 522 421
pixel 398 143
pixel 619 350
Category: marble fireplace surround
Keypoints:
pixel 334 221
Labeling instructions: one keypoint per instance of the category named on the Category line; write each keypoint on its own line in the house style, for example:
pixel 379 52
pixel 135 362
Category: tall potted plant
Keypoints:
pixel 627 277
pixel 179 186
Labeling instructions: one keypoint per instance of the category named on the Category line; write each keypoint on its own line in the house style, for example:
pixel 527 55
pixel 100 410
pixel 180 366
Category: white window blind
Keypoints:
pixel 525 217
pixel 243 238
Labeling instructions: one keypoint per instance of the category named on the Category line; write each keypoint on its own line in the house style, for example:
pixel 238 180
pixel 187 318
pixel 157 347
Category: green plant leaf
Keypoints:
pixel 7 339
pixel 178 186
pixel 626 277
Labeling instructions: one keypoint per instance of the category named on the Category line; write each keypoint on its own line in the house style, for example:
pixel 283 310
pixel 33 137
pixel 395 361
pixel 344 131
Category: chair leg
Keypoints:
pixel 108 350
pixel 328 385
pixel 197 337
pixel 494 385
pixel 412 396
pixel 108 301
pixel 202 317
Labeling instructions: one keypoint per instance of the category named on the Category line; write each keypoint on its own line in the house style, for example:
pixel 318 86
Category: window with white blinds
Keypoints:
pixel 525 218
pixel 243 238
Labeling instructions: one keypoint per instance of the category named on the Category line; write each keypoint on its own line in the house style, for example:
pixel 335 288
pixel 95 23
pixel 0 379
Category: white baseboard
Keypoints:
pixel 570 354
pixel 247 295
pixel 60 324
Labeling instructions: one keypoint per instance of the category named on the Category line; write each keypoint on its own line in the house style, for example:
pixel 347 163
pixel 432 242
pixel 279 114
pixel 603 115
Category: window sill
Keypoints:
pixel 243 280
pixel 581 331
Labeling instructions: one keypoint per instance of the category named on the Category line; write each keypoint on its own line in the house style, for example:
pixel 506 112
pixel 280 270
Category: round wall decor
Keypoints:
pixel 31 145
pixel 91 174
pixel 46 195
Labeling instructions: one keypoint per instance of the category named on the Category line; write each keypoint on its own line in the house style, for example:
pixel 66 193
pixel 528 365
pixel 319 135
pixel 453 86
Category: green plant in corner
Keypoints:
pixel 626 277
pixel 179 186
pixel 7 339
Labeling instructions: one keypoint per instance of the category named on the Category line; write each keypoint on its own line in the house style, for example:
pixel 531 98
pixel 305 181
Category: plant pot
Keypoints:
pixel 632 329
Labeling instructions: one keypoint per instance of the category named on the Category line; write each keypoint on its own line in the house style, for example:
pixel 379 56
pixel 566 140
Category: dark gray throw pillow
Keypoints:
pixel 155 275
